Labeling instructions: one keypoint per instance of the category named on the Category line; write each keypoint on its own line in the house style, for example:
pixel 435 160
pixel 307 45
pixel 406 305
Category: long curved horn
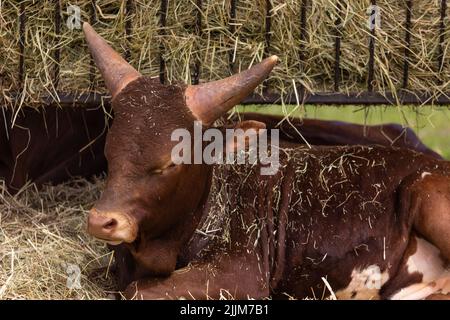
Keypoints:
pixel 116 72
pixel 211 100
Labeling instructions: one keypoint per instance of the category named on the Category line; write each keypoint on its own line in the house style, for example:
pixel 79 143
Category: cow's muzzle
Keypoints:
pixel 112 227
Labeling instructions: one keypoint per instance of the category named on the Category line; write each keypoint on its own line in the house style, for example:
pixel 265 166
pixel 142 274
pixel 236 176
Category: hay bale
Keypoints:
pixel 183 46
pixel 43 242
pixel 9 45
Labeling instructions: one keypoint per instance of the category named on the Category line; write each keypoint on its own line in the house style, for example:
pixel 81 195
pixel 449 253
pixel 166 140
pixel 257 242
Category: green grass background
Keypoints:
pixel 431 123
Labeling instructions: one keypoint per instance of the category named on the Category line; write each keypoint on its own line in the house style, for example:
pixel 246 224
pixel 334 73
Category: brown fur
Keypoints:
pixel 313 240
pixel 51 145
pixel 327 211
pixel 337 133
pixel 432 192
pixel 63 133
pixel 169 244
pixel 401 278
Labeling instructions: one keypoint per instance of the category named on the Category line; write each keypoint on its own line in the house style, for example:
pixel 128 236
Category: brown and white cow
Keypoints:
pixel 368 221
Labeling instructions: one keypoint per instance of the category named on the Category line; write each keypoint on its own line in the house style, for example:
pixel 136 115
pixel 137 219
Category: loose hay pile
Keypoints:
pixel 182 45
pixel 43 244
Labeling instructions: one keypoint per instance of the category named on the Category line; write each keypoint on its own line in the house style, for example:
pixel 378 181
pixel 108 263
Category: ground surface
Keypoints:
pixel 45 252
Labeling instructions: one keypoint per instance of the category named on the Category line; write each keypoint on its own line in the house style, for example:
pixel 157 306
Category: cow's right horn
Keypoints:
pixel 116 72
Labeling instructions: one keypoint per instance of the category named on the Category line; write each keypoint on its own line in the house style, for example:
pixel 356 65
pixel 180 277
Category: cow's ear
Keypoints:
pixel 250 124
pixel 249 129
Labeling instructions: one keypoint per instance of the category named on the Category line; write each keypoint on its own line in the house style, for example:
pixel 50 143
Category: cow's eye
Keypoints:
pixel 155 171
pixel 171 165
pixel 164 169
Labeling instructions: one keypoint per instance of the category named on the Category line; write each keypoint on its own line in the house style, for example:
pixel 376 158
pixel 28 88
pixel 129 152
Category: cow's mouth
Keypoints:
pixel 112 227
pixel 110 242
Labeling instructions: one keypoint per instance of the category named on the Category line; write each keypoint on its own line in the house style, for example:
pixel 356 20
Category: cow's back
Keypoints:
pixel 328 211
pixel 51 145
pixel 338 133
pixel 346 214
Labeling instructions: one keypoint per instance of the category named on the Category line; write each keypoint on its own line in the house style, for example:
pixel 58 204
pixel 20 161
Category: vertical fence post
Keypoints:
pixel 22 23
pixel 198 29
pixel 92 21
pixel 129 9
pixel 337 47
pixel 232 31
pixel 407 43
pixel 303 36
pixel 57 53
pixel 268 26
pixel 441 59
pixel 370 78
pixel 162 33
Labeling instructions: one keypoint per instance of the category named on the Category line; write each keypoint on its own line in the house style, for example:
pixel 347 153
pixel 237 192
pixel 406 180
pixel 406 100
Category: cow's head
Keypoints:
pixel 150 204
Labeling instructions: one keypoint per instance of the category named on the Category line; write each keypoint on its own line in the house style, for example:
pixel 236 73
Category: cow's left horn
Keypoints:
pixel 211 100
pixel 116 72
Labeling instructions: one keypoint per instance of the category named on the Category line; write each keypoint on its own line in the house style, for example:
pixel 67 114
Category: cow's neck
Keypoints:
pixel 195 244
pixel 229 204
pixel 212 214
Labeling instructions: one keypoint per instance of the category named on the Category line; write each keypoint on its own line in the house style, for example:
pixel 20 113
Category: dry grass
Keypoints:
pixel 43 236
pixel 182 46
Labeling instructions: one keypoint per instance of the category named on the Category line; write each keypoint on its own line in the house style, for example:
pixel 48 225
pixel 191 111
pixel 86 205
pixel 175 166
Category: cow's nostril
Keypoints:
pixel 111 224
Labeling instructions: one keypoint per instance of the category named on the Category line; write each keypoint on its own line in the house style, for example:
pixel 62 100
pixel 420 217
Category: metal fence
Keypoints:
pixel 336 97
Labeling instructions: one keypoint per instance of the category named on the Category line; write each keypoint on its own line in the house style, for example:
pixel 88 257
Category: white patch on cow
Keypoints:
pixel 428 262
pixel 424 174
pixel 365 284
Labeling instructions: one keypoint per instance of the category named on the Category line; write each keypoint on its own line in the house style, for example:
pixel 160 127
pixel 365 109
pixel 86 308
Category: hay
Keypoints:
pixel 213 48
pixel 43 241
